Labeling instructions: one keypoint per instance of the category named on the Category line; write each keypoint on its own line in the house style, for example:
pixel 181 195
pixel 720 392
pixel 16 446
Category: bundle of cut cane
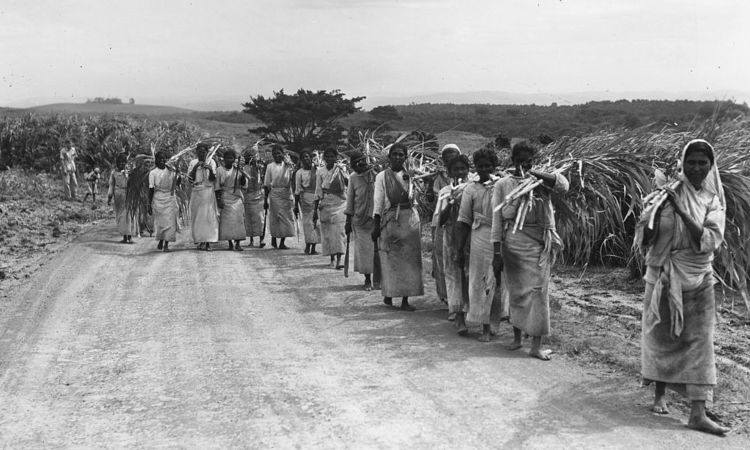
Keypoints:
pixel 525 191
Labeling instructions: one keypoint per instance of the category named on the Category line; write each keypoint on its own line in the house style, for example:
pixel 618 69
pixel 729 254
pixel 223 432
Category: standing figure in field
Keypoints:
pixel 475 222
pixel 677 342
pixel 231 181
pixel 446 218
pixel 254 199
pixel 162 181
pixel 68 162
pixel 118 190
pixel 204 214
pixel 359 221
pixel 92 182
pixel 304 196
pixel 330 204
pixel 526 255
pixel 442 179
pixel 279 199
pixel 396 231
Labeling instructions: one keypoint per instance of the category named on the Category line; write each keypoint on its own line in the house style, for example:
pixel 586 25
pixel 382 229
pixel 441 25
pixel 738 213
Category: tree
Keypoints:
pixel 386 113
pixel 303 119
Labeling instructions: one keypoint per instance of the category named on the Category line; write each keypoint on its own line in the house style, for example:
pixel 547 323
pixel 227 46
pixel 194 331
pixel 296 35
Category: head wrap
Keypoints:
pixel 448 147
pixel 712 182
pixel 356 156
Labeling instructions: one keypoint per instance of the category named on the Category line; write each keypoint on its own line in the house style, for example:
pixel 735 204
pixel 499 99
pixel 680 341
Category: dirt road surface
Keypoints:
pixel 113 345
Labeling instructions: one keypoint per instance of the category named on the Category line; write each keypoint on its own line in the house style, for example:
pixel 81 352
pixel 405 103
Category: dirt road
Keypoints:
pixel 111 345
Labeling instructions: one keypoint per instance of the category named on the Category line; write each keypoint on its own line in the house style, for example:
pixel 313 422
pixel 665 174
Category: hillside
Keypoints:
pixel 106 108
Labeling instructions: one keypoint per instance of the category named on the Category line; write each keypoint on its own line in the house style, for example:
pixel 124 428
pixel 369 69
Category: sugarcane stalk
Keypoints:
pixel 518 214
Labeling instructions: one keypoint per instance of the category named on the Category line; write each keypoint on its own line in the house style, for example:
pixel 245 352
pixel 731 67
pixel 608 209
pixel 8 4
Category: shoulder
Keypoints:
pixel 445 189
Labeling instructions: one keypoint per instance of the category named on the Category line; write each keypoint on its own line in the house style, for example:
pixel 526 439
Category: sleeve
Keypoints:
pixel 220 176
pixel 561 184
pixel 496 234
pixel 318 185
pixel 439 206
pixel 268 178
pixel 298 182
pixel 111 190
pixel 713 227
pixel 349 211
pixel 378 203
pixel 466 210
pixel 151 179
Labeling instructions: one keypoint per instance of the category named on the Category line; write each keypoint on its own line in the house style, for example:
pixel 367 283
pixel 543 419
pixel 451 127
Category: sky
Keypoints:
pixel 178 52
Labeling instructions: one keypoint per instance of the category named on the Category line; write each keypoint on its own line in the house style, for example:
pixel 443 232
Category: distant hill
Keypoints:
pixel 105 108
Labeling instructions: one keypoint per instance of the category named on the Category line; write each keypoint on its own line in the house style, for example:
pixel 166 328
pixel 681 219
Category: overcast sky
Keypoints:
pixel 176 51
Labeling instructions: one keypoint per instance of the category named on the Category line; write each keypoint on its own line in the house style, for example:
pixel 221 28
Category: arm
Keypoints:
pixel 549 179
pixel 318 194
pixel 378 204
pixel 463 226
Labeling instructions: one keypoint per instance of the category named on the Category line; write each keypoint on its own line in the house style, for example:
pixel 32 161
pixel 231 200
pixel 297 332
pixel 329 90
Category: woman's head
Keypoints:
pixel 160 158
pixel 522 154
pixel 305 157
pixel 121 160
pixel 449 151
pixel 229 157
pixel 277 153
pixel 397 156
pixel 458 167
pixel 698 158
pixel 201 150
pixel 485 161
pixel 330 155
pixel 358 161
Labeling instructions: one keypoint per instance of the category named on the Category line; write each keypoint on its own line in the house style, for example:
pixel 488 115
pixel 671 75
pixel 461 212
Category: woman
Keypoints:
pixel 442 179
pixel 359 203
pixel 475 219
pixel 162 181
pixel 231 181
pixel 446 220
pixel 525 255
pixel 679 308
pixel 279 200
pixel 304 197
pixel 118 190
pixel 204 214
pixel 330 203
pixel 396 232
pixel 253 200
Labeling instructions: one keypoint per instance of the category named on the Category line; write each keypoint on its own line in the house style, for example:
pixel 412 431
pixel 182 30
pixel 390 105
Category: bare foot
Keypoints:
pixel 160 245
pixel 283 247
pixel 485 337
pixel 660 405
pixel 238 248
pixel 407 307
pixel 451 317
pixel 462 330
pixel 515 345
pixel 707 425
pixel 388 301
pixel 544 355
pixel 314 252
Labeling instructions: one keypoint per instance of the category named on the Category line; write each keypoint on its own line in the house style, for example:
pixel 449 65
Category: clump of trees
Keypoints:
pixel 303 119
pixel 107 101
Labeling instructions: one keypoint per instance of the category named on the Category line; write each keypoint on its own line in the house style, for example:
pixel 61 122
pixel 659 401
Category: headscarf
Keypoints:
pixel 355 156
pixel 449 147
pixel 711 184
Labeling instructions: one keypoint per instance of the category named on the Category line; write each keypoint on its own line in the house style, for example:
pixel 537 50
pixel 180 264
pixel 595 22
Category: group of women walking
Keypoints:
pixel 492 251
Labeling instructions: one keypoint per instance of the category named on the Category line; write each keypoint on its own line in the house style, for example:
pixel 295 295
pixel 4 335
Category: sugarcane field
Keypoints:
pixel 328 224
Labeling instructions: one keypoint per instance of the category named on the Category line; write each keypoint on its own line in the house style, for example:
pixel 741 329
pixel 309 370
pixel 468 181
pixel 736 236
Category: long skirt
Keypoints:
pixel 232 218
pixel 306 206
pixel 280 215
pixel 438 264
pixel 482 282
pixel 456 277
pixel 527 282
pixel 400 251
pixel 122 217
pixel 164 206
pixel 254 213
pixel 332 221
pixel 204 215
pixel 686 362
pixel 364 248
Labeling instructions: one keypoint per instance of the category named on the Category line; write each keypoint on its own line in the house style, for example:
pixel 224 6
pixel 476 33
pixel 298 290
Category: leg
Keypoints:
pixel 338 261
pixel 261 244
pixel 536 349
pixel 124 239
pixel 231 245
pixel 461 327
pixel 699 421
pixel 516 344
pixel 368 282
pixel 312 249
pixel 282 245
pixel 660 398
pixel 237 246
pixel 405 306
pixel 130 239
pixel 332 264
pixel 486 333
pixel 85 197
pixel 307 249
pixel 208 247
pixel 166 246
pixel 273 243
pixel 160 245
pixel 251 242
pixel 388 301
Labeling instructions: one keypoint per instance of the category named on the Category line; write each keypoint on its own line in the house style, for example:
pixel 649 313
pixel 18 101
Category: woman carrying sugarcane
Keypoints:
pixel 279 201
pixel 442 179
pixel 525 241
pixel 204 214
pixel 330 203
pixel 162 181
pixel 396 231
pixel 118 190
pixel 474 226
pixel 231 181
pixel 253 199
pixel 359 221
pixel 677 345
pixel 304 197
